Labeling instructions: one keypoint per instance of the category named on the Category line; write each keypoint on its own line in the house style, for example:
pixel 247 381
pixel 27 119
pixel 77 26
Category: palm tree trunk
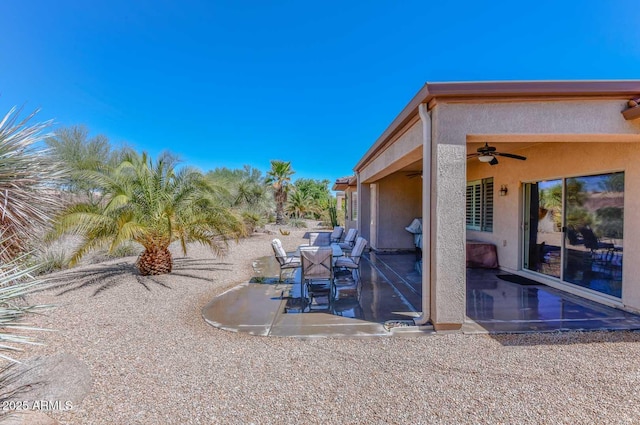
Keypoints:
pixel 155 261
pixel 280 200
pixel 279 213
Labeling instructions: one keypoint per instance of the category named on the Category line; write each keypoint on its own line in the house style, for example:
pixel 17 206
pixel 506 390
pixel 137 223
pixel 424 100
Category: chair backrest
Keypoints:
pixel 352 234
pixel 572 235
pixel 415 226
pixel 337 233
pixel 358 250
pixel 319 239
pixel 590 239
pixel 279 251
pixel 316 262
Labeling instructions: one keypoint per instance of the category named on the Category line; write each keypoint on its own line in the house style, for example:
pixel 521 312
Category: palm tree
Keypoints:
pixel 154 205
pixel 28 177
pixel 279 177
pixel 300 204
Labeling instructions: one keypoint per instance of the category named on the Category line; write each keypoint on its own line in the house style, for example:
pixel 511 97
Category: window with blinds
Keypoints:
pixel 480 205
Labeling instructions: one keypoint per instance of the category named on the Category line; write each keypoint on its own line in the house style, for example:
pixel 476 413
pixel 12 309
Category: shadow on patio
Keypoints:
pixel 498 306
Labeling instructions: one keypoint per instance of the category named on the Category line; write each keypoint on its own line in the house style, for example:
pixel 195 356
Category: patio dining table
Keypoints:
pixel 336 252
pixel 335 248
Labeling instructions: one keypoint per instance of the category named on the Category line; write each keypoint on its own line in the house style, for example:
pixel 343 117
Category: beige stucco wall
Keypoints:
pixel 448 265
pixel 349 221
pixel 364 221
pixel 389 205
pixel 546 161
pixel 339 203
pixel 550 117
pixel 453 125
pixel 399 201
pixel 405 150
pixel 456 124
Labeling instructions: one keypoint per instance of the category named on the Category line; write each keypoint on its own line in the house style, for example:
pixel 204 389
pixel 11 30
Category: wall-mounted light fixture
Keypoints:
pixel 503 190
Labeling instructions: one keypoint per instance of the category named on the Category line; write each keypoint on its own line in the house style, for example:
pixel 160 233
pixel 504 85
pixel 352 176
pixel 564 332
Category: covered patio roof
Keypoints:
pixel 504 91
pixel 344 182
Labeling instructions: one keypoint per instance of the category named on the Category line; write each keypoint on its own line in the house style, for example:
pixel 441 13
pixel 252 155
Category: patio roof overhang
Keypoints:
pixel 634 110
pixel 430 93
pixel 344 182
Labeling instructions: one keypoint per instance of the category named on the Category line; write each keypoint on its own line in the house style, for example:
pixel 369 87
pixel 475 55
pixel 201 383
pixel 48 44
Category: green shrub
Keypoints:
pixel 333 212
pixel 252 220
pixel 297 223
pixel 51 260
pixel 125 250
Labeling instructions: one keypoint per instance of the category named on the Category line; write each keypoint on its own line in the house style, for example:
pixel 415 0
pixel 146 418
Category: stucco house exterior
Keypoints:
pixel 347 195
pixel 567 216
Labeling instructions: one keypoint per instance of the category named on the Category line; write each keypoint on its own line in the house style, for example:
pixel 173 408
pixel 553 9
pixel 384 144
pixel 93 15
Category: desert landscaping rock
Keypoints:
pixel 29 417
pixel 51 380
pixel 154 360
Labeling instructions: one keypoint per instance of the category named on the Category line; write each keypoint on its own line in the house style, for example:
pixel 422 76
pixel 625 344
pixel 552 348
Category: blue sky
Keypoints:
pixel 227 83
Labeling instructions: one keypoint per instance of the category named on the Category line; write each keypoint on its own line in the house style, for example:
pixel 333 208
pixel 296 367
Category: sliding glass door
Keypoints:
pixel 594 232
pixel 574 230
pixel 543 227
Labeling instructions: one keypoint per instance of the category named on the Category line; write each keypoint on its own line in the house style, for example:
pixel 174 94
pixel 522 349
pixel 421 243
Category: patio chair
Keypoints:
pixel 317 265
pixel 286 262
pixel 319 239
pixel 592 242
pixel 574 237
pixel 336 235
pixel 352 262
pixel 345 287
pixel 349 240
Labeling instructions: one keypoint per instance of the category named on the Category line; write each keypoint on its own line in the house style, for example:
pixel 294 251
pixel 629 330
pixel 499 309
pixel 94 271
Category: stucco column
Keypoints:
pixel 425 118
pixel 364 210
pixel 448 257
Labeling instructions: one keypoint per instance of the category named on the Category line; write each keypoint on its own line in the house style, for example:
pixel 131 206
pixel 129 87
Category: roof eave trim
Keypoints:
pixel 515 89
pixel 404 117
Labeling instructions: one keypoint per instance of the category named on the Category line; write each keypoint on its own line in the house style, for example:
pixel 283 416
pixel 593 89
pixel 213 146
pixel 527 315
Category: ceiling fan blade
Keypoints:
pixel 510 155
pixel 494 161
pixel 473 155
pixel 486 148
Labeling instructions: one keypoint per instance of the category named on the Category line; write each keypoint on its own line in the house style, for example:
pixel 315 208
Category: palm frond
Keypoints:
pixel 28 177
pixel 15 283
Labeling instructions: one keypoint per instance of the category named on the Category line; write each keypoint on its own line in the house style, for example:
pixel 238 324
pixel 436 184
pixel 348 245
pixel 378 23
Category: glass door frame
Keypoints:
pixel 525 239
pixel 525 236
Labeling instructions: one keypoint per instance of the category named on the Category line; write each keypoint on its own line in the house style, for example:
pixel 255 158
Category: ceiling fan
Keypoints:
pixel 488 154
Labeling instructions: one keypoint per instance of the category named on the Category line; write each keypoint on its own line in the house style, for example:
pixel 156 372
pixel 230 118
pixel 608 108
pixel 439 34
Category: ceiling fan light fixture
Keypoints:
pixel 486 158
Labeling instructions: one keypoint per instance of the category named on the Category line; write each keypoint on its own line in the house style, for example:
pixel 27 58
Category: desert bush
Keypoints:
pixel 252 220
pixel 297 223
pixel 28 177
pixel 125 250
pixel 16 281
pixel 50 259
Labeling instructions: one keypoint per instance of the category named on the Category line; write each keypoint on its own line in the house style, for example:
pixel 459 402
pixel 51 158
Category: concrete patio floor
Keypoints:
pixel 390 297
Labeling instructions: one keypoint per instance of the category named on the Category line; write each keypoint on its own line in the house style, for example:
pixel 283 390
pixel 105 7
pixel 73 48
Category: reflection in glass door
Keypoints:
pixel 594 232
pixel 573 230
pixel 543 227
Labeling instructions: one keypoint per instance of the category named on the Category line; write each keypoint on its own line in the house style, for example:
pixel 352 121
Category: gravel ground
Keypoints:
pixel 154 360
